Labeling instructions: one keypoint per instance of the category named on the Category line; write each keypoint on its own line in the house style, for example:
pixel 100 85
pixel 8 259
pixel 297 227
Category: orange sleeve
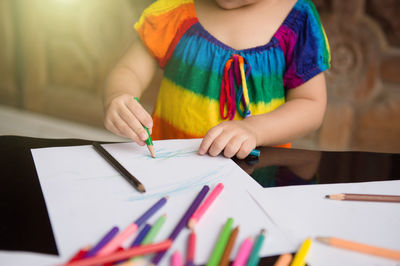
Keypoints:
pixel 162 24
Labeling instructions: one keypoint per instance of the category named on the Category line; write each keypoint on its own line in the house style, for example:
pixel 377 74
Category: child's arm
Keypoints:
pixel 301 114
pixel 128 79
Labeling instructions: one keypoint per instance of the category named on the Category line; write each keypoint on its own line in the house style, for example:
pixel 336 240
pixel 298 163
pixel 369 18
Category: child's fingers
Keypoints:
pixel 208 139
pixel 220 143
pixel 245 149
pixel 114 129
pixel 233 146
pixel 125 129
pixel 141 114
pixel 133 123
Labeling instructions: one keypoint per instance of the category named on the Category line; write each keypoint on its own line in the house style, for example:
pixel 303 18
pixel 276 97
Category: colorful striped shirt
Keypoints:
pixel 190 100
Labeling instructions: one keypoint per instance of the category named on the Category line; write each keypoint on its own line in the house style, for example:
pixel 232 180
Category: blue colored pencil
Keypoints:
pixel 255 153
pixel 142 234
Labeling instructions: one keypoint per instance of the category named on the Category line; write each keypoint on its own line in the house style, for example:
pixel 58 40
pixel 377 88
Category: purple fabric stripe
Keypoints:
pixel 287 41
pixel 237 70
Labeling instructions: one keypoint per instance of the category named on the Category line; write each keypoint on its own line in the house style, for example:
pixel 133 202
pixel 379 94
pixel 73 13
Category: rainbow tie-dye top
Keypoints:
pixel 192 96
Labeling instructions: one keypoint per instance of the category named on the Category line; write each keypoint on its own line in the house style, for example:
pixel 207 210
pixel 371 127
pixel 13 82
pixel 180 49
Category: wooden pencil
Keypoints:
pixel 364 197
pixel 228 248
pixel 117 166
pixel 359 247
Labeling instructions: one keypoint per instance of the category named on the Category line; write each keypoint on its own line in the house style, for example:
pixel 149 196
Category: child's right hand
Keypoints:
pixel 126 117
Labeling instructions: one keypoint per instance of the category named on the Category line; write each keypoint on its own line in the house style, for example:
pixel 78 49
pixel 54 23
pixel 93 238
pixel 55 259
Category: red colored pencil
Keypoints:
pixel 79 255
pixel 191 249
pixel 124 254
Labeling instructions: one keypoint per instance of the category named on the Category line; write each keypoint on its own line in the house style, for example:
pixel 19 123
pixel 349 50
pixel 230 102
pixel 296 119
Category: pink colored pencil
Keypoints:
pixel 244 252
pixel 204 207
pixel 176 259
pixel 191 249
pixel 117 240
pixel 124 254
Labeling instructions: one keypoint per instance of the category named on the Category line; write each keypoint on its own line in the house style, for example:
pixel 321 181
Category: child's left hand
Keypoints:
pixel 232 137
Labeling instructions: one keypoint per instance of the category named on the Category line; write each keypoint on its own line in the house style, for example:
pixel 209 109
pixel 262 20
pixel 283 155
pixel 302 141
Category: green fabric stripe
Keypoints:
pixel 209 81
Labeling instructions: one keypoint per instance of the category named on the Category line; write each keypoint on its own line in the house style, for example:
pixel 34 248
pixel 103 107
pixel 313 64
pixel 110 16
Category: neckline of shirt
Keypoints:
pixel 273 42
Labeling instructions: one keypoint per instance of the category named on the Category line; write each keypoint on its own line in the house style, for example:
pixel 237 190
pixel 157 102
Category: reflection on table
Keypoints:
pixel 284 167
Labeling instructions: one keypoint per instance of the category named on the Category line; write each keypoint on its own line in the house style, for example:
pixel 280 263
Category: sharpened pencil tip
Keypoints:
pixel 141 188
pixel 324 240
pixel 191 224
pixel 151 149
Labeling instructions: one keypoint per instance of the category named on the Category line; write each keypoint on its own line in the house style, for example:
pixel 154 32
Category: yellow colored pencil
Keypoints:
pixel 300 257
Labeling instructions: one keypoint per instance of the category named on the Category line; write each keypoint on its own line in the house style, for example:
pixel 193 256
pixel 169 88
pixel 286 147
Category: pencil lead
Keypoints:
pixel 151 149
pixel 141 188
pixel 324 240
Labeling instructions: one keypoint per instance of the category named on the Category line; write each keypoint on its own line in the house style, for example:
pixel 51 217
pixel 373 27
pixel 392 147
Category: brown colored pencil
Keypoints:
pixel 117 166
pixel 364 197
pixel 363 248
pixel 228 248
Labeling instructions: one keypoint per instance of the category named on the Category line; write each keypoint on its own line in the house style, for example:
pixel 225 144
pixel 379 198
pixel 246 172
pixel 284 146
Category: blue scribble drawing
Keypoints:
pixel 163 154
pixel 213 176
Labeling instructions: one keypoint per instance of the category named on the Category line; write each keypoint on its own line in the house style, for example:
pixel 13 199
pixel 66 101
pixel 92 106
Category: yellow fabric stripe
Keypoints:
pixel 159 7
pixel 193 113
pixel 244 84
pixel 327 45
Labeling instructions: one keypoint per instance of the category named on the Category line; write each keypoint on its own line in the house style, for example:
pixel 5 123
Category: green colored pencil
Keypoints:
pixel 149 141
pixel 221 243
pixel 149 238
pixel 254 255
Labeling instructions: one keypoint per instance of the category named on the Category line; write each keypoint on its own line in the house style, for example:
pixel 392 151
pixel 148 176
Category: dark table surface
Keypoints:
pixel 25 224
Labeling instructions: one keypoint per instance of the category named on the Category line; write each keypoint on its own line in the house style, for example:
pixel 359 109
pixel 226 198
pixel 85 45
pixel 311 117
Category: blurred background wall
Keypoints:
pixel 55 55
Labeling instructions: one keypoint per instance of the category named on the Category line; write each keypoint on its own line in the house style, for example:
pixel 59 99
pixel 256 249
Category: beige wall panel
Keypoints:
pixel 8 76
pixel 68 49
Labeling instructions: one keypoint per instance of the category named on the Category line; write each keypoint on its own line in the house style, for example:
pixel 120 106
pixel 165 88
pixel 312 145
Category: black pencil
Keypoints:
pixel 111 160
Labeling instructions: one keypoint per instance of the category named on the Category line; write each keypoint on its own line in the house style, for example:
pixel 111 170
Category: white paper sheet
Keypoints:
pixel 85 196
pixel 303 211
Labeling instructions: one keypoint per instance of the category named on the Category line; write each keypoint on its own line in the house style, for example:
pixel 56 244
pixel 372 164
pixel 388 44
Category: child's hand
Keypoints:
pixel 231 137
pixel 126 117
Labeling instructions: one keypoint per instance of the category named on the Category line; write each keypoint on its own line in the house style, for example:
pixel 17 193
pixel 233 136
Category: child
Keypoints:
pixel 240 73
